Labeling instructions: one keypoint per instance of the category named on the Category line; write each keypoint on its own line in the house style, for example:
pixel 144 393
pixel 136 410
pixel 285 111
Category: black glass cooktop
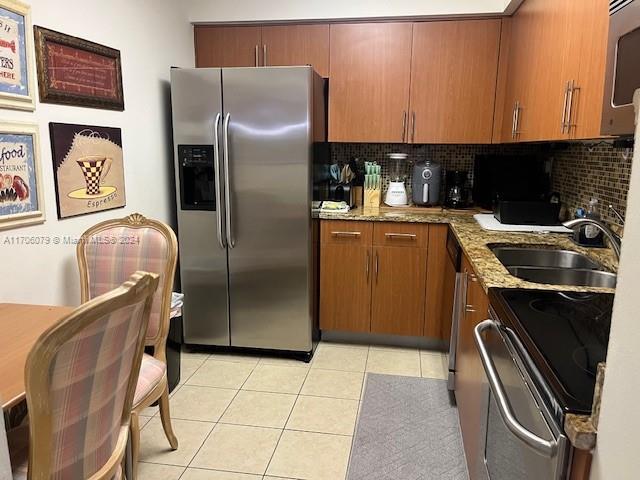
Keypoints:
pixel 565 333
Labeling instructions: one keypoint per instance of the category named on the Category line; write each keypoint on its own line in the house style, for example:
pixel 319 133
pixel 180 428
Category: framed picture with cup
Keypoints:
pixel 17 71
pixel 88 168
pixel 21 194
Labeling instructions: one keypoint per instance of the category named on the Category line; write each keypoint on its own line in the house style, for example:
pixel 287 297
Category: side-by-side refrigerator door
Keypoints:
pixel 268 115
pixel 196 97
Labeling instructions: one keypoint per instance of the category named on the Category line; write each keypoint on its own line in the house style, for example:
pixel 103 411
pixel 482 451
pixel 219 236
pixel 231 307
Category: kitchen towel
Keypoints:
pixel 407 429
pixel 488 222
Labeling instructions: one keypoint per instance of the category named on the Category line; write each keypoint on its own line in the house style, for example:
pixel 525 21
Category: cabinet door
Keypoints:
pixel 441 281
pixel 228 46
pixel 297 45
pixel 453 81
pixel 470 374
pixel 345 276
pixel 370 74
pixel 399 277
pixel 516 118
pixel 586 111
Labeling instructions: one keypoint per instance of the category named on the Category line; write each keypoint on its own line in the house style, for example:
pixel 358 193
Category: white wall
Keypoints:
pixel 205 11
pixel 616 456
pixel 152 36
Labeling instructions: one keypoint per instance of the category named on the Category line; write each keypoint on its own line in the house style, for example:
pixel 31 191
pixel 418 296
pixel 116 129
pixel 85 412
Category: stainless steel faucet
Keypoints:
pixel 614 240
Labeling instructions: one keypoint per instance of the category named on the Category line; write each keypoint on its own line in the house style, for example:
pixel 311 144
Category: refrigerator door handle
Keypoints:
pixel 227 192
pixel 217 170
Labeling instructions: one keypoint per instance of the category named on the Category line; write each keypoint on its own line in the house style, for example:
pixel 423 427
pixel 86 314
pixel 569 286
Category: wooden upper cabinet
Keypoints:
pixel 557 56
pixel 297 45
pixel 370 70
pixel 523 36
pixel 227 46
pixel 592 16
pixel 453 81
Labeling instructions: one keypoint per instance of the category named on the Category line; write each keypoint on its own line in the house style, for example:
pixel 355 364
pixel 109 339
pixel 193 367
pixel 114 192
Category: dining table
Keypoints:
pixel 22 325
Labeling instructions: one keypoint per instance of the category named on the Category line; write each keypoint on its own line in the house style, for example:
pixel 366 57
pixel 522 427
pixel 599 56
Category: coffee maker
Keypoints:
pixel 456 191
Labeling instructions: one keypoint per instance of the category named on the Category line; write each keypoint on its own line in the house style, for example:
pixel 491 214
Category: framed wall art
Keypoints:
pixel 88 168
pixel 73 71
pixel 21 194
pixel 17 73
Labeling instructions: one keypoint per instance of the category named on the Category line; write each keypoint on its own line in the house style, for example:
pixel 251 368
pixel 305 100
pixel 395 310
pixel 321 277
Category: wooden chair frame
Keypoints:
pixel 160 393
pixel 140 286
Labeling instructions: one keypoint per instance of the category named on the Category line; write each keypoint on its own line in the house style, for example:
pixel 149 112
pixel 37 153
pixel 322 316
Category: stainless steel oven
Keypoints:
pixel 522 438
pixel 623 68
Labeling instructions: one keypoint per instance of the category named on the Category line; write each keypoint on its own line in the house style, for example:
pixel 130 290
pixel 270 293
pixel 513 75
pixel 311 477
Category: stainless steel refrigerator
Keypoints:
pixel 244 141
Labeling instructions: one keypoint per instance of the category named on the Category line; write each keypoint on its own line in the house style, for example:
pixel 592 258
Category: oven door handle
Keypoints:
pixel 542 446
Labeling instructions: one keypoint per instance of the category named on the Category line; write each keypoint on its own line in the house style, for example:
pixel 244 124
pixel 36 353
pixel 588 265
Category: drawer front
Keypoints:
pixel 349 232
pixel 396 234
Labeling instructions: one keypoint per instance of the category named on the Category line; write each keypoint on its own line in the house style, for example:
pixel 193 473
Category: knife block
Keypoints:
pixel 372 198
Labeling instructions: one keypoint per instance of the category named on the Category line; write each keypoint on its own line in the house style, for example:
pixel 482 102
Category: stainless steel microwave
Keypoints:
pixel 623 67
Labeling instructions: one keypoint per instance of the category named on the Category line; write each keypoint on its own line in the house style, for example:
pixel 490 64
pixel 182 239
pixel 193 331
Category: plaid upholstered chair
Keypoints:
pixel 108 253
pixel 80 379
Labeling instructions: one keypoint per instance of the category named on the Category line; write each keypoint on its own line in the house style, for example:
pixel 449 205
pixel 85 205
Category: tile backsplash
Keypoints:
pixel 580 171
pixel 451 157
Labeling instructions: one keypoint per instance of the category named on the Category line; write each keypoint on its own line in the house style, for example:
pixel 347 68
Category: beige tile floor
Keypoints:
pixel 243 417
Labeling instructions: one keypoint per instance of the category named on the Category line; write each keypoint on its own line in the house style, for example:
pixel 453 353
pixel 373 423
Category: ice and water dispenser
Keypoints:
pixel 197 177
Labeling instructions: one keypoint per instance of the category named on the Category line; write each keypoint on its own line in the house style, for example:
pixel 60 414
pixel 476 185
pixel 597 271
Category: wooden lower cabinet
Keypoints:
pixel 385 277
pixel 345 276
pixel 441 283
pixel 398 299
pixel 469 371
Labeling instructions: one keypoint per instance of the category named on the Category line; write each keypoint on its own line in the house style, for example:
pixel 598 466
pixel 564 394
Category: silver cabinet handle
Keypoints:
pixel 218 185
pixel 469 309
pixel 513 121
pixel 563 128
pixel 542 446
pixel 366 266
pixel 345 234
pixel 411 236
pixel 257 56
pixel 516 130
pixel 413 126
pixel 376 269
pixel 572 88
pixel 404 126
pixel 264 55
pixel 227 190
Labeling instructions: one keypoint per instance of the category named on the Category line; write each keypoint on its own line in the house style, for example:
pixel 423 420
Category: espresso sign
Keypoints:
pixel 16 70
pixel 88 168
pixel 20 190
pixel 73 71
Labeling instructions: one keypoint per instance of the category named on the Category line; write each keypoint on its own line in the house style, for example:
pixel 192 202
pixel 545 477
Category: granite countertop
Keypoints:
pixel 580 429
pixel 475 242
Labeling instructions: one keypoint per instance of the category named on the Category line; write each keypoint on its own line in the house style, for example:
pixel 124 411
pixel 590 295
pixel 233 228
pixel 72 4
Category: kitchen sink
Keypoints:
pixel 565 276
pixel 554 266
pixel 540 257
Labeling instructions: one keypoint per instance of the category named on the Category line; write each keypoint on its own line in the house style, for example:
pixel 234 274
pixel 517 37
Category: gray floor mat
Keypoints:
pixel 407 430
